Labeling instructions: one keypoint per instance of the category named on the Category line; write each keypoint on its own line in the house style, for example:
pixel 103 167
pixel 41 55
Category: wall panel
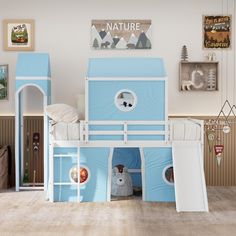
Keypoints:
pixel 34 124
pixel 225 174
pixel 7 137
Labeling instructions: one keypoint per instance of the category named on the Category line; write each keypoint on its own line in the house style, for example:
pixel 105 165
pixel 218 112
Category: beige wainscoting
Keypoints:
pixel 223 175
pixel 7 137
pixel 32 124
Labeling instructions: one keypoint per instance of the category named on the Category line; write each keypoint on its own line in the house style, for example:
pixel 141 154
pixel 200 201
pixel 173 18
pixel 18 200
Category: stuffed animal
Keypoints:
pixel 121 184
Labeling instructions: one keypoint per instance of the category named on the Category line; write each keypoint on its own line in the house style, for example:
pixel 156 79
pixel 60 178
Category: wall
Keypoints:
pixel 63 30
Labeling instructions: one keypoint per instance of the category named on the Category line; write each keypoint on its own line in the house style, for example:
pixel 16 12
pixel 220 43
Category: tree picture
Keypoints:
pixel 3 82
pixel 95 43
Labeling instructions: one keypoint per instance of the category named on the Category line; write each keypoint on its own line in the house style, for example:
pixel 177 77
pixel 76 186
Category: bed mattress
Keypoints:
pixel 186 129
pixel 66 131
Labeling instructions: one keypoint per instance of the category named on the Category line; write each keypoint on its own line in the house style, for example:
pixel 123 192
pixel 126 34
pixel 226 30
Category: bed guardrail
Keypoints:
pixel 123 131
pixel 135 132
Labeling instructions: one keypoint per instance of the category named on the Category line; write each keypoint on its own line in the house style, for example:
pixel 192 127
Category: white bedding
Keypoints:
pixel 66 131
pixel 185 129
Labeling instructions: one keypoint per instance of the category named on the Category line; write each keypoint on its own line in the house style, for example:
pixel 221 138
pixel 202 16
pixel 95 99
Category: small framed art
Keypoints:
pixel 217 32
pixel 18 35
pixel 3 82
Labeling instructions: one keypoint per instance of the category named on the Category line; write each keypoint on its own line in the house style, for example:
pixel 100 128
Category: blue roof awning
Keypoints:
pixel 126 67
pixel 33 65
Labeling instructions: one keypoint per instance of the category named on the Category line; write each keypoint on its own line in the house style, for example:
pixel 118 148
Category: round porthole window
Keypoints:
pixel 84 174
pixel 168 174
pixel 125 100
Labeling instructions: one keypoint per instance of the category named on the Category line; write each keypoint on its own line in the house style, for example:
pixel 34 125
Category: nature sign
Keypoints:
pixel 216 31
pixel 121 34
pixel 3 82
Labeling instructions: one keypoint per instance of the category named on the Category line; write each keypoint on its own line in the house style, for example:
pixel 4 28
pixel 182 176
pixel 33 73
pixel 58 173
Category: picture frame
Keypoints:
pixel 4 84
pixel 18 34
pixel 119 34
pixel 198 76
pixel 216 31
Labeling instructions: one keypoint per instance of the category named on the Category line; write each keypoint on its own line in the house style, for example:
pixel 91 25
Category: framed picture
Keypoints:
pixel 216 32
pixel 3 82
pixel 121 34
pixel 198 76
pixel 18 35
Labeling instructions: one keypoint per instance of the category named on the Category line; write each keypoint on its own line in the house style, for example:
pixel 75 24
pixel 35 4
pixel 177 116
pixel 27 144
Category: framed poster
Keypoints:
pixel 3 82
pixel 121 34
pixel 18 35
pixel 216 32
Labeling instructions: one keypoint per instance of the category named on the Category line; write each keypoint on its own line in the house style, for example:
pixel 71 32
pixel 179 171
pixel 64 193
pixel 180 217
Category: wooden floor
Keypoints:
pixel 26 213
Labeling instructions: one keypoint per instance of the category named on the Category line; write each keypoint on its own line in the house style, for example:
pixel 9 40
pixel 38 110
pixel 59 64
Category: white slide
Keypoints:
pixel 190 185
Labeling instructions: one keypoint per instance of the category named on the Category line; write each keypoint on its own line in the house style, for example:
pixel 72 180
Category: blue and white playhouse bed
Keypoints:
pixel 126 122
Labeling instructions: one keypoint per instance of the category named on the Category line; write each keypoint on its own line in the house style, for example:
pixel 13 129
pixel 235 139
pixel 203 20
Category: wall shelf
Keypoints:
pixel 198 76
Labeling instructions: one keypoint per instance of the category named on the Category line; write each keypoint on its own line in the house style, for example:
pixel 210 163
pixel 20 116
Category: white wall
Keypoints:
pixel 63 30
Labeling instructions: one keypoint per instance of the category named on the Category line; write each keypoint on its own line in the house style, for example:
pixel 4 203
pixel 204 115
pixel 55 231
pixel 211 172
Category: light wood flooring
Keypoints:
pixel 27 213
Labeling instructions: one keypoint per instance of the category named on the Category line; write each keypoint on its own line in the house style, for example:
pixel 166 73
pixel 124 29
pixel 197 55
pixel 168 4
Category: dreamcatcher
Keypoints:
pixel 215 127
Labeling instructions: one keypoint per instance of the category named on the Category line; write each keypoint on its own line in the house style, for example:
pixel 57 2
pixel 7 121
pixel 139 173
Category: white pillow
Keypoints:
pixel 62 113
pixel 80 99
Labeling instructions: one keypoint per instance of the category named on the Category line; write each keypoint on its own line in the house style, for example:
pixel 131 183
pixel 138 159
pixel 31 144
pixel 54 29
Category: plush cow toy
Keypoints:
pixel 121 185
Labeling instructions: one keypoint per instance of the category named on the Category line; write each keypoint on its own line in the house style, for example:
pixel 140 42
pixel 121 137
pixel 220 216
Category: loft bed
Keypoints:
pixel 126 120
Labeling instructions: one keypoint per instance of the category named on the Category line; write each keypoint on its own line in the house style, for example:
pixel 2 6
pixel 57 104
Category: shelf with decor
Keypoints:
pixel 198 76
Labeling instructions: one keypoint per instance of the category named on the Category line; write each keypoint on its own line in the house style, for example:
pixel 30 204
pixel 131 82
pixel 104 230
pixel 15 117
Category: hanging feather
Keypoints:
pixel 211 136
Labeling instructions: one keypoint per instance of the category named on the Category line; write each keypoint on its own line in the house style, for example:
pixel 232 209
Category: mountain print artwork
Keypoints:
pixel 19 34
pixel 121 34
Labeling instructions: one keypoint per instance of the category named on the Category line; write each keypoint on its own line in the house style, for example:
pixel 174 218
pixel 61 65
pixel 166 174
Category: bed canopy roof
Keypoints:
pixel 33 69
pixel 126 67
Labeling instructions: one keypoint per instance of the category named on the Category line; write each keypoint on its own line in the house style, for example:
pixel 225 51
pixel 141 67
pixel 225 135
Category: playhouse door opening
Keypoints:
pixel 126 177
pixel 32 159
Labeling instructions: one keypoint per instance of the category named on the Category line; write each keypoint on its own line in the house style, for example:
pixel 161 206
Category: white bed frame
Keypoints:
pixel 84 142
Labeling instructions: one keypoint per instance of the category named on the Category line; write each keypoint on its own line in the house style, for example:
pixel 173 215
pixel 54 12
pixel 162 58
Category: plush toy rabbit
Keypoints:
pixel 121 184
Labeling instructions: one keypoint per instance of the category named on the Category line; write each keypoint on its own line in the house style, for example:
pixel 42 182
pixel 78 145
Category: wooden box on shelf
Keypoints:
pixel 198 76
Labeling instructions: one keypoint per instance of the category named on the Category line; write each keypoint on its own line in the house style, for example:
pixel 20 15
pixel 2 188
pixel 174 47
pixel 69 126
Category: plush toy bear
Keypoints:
pixel 121 184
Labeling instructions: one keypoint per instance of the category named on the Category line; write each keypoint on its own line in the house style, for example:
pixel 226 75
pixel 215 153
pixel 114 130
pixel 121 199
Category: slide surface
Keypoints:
pixel 190 185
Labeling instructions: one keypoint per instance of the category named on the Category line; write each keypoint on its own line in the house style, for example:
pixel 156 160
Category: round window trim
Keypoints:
pixel 164 174
pixel 123 108
pixel 75 167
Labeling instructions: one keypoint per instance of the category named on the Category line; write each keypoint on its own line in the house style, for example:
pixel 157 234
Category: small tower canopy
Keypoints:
pixel 33 65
